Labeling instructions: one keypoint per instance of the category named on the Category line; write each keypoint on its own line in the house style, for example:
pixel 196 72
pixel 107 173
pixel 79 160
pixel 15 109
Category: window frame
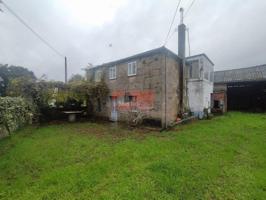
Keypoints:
pixel 194 69
pixel 130 67
pixel 112 72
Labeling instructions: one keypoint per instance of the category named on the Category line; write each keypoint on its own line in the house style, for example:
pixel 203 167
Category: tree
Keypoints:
pixel 4 76
pixel 8 73
pixel 76 78
pixel 17 71
pixel 23 87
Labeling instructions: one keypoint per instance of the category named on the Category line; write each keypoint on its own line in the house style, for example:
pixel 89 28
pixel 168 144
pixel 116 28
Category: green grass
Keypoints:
pixel 224 158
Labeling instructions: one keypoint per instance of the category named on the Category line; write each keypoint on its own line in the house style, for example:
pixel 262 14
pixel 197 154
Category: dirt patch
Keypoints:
pixel 116 131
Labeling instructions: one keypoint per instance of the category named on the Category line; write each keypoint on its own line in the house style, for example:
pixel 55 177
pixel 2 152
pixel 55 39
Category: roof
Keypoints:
pixel 202 54
pixel 162 50
pixel 255 73
pixel 141 55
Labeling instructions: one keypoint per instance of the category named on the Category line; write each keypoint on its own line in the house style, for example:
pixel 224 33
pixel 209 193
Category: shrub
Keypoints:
pixel 15 112
pixel 47 96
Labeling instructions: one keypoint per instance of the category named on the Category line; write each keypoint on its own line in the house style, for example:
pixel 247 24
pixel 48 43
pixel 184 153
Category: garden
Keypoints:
pixel 40 158
pixel 224 158
pixel 26 100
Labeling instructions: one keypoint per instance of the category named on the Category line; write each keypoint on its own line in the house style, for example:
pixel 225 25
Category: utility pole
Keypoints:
pixel 36 34
pixel 65 70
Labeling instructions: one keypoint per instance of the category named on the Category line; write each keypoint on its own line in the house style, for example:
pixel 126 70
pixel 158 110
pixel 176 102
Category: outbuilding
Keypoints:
pixel 241 89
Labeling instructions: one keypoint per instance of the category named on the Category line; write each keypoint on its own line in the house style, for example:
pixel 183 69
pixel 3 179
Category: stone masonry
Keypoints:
pixel 153 90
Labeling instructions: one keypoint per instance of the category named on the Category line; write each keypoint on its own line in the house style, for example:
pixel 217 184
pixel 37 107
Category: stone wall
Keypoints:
pixel 148 86
pixel 172 89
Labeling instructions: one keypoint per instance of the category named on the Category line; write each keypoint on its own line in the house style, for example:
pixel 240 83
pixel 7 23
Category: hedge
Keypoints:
pixel 15 112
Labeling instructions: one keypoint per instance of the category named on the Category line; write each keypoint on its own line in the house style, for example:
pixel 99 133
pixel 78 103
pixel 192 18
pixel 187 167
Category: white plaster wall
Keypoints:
pixel 199 95
pixel 200 90
pixel 195 97
pixel 207 91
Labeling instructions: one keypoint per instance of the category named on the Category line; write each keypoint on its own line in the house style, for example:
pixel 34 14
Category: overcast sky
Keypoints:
pixel 232 32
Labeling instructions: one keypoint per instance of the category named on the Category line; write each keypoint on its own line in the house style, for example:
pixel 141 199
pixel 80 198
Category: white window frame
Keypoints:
pixel 130 68
pixel 112 72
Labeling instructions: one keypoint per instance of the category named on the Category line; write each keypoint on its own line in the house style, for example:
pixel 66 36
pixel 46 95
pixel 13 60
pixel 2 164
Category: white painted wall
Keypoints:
pixel 207 91
pixel 195 97
pixel 200 89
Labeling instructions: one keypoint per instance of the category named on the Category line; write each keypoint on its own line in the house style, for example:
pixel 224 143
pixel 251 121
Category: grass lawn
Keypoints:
pixel 224 158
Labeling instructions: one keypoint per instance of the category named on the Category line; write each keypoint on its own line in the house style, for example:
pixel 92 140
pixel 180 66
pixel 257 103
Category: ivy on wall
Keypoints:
pixel 90 92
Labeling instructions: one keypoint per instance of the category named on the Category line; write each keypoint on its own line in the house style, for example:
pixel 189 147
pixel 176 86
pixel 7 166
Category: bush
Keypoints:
pixel 50 97
pixel 15 112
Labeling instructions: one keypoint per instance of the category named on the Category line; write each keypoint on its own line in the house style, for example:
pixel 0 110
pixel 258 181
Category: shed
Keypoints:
pixel 241 89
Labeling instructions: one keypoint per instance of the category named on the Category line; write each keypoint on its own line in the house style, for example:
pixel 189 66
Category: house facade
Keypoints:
pixel 139 83
pixel 150 83
pixel 199 83
pixel 158 83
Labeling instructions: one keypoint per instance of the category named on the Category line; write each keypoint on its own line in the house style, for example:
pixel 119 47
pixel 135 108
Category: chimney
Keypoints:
pixel 182 55
pixel 182 36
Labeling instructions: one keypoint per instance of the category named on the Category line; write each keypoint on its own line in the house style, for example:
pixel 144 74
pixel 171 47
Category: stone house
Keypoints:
pixel 150 82
pixel 162 85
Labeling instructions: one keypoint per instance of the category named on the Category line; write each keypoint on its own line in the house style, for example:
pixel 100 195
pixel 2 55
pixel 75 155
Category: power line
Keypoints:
pixel 173 20
pixel 32 30
pixel 170 37
pixel 189 7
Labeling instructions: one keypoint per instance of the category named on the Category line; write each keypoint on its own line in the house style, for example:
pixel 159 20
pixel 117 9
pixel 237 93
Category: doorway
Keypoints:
pixel 113 109
pixel 247 96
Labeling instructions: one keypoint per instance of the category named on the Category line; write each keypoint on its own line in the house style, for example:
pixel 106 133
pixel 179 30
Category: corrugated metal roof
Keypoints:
pixel 256 73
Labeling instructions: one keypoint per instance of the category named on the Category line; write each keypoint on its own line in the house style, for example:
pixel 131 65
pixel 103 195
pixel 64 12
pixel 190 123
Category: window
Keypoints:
pixel 194 69
pixel 132 101
pixel 129 99
pixel 112 72
pixel 132 69
pixel 98 76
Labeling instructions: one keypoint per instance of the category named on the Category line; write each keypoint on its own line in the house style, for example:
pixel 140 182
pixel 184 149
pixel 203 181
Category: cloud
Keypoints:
pixel 230 32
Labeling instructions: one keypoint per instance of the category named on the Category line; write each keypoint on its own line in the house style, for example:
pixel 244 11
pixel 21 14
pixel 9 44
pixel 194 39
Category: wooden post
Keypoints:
pixel 66 70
